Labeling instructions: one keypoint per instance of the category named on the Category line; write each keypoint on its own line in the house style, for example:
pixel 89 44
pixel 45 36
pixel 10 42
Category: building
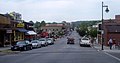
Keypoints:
pixel 16 16
pixel 30 34
pixel 111 29
pixel 13 30
pixel 52 27
pixel 19 31
pixel 5 30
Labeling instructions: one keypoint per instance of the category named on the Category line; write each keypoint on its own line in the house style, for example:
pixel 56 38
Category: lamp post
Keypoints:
pixel 107 10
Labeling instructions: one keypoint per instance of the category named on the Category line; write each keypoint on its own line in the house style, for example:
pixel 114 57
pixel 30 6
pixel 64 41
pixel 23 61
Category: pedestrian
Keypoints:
pixel 110 42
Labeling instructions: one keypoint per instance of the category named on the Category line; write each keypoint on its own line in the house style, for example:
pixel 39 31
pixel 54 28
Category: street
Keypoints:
pixel 60 52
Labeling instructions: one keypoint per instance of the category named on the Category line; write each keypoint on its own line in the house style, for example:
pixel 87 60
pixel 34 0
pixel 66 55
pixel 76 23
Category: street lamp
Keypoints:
pixel 107 10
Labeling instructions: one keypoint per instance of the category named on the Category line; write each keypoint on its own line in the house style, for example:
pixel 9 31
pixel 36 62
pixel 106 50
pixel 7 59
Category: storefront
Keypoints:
pixel 5 31
pixel 30 35
pixel 18 33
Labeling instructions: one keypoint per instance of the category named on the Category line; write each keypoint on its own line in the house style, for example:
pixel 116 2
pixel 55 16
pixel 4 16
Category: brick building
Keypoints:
pixel 111 29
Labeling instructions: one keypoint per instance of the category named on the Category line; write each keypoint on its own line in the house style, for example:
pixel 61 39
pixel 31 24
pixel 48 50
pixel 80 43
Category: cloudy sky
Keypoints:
pixel 60 10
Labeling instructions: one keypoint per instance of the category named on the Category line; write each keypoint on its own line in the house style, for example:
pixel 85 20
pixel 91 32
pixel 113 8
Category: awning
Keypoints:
pixel 30 33
pixel 22 30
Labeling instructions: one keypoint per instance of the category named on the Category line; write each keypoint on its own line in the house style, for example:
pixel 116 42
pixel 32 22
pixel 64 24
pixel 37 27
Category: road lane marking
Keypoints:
pixel 112 56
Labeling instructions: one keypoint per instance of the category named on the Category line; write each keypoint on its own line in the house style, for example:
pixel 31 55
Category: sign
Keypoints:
pixel 8 31
pixel 30 26
pixel 21 25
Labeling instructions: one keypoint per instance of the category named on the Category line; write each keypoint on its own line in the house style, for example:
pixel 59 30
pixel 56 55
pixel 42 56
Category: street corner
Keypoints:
pixel 7 52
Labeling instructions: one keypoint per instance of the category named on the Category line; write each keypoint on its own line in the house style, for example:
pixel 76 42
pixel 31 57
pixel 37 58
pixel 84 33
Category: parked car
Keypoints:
pixel 85 42
pixel 50 41
pixel 22 45
pixel 43 41
pixel 36 43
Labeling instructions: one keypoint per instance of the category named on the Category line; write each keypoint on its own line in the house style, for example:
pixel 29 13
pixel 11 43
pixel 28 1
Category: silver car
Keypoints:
pixel 50 41
pixel 36 43
pixel 43 41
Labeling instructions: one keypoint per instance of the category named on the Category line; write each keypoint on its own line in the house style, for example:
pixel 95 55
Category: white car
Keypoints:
pixel 36 43
pixel 85 42
pixel 43 41
pixel 50 41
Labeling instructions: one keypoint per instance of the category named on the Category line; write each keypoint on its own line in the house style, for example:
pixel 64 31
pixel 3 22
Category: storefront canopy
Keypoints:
pixel 22 30
pixel 31 33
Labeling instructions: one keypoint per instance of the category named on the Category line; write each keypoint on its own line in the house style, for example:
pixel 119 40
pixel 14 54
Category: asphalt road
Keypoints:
pixel 60 52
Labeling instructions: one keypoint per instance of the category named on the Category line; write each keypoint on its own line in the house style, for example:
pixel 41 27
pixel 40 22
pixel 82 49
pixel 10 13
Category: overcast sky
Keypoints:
pixel 60 10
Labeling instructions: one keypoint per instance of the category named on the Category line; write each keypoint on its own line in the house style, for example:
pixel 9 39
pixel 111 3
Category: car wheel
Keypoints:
pixel 30 47
pixel 67 42
pixel 25 48
pixel 12 49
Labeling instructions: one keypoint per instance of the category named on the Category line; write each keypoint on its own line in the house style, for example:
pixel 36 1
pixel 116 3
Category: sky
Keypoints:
pixel 60 10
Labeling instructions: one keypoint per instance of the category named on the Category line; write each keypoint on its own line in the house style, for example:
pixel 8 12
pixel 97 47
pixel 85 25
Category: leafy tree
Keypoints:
pixel 31 22
pixel 54 23
pixel 83 29
pixel 43 23
pixel 37 24
pixel 93 32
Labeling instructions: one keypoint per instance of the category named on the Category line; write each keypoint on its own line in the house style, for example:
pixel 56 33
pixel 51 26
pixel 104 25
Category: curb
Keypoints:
pixel 8 52
pixel 106 52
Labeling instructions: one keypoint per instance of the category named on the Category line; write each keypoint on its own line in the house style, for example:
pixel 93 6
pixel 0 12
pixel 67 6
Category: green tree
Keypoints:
pixel 83 29
pixel 93 32
pixel 37 24
pixel 43 23
pixel 31 22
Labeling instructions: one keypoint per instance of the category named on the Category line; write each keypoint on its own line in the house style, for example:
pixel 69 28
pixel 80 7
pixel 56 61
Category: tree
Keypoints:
pixel 43 23
pixel 93 32
pixel 31 22
pixel 83 29
pixel 37 24
pixel 54 23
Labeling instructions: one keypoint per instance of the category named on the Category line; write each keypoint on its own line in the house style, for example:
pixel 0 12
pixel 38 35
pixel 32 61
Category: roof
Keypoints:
pixel 54 25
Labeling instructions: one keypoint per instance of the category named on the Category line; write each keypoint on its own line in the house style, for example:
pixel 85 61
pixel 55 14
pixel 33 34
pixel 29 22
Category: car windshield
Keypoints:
pixel 34 41
pixel 85 39
pixel 21 42
pixel 49 39
pixel 42 39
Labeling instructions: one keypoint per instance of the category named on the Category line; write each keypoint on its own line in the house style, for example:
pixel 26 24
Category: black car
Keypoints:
pixel 22 45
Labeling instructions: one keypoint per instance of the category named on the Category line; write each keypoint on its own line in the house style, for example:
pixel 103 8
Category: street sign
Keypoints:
pixel 8 31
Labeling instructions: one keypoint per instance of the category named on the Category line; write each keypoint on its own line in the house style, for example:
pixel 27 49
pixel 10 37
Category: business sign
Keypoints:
pixel 21 25
pixel 30 26
pixel 8 31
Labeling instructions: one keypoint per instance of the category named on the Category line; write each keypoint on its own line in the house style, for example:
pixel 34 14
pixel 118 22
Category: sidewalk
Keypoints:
pixel 106 48
pixel 4 48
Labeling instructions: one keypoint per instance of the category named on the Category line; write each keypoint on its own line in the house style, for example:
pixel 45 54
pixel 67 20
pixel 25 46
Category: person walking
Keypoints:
pixel 110 43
